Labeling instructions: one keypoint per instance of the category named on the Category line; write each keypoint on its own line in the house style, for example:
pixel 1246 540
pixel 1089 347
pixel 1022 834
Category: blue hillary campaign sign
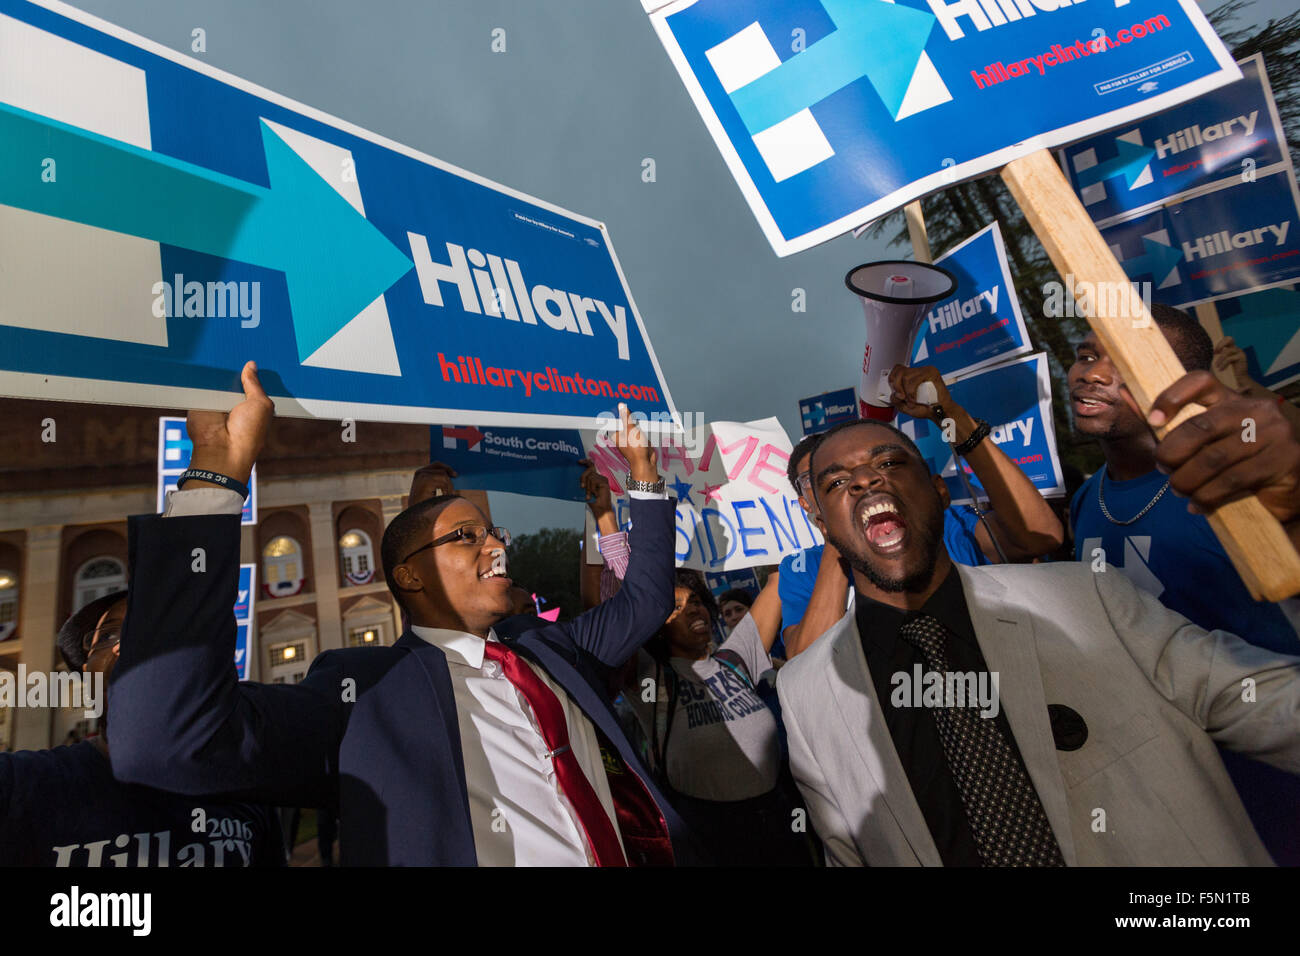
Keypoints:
pixel 1220 137
pixel 1217 244
pixel 1266 326
pixel 1016 399
pixel 720 582
pixel 174 450
pixel 980 324
pixel 244 617
pixel 241 649
pixel 831 113
pixel 244 597
pixel 167 222
pixel 821 412
pixel 525 461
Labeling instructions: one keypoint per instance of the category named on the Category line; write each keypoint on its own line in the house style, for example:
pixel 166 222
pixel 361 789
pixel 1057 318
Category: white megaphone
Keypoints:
pixel 895 296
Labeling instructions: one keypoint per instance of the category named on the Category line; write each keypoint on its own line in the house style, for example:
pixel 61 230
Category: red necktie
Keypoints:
pixel 555 732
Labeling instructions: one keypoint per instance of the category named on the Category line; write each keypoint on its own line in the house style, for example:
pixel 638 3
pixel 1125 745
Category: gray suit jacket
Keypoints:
pixel 1147 788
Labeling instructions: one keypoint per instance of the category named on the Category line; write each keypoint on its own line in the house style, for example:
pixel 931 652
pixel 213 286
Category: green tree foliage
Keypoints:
pixel 546 564
pixel 960 211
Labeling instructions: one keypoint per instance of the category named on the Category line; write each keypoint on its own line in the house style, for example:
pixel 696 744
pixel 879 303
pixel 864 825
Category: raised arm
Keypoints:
pixel 825 606
pixel 599 580
pixel 179 718
pixel 766 611
pixel 1026 525
pixel 613 630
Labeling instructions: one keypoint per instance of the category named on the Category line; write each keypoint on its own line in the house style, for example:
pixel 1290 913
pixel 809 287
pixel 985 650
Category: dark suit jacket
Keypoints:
pixel 371 731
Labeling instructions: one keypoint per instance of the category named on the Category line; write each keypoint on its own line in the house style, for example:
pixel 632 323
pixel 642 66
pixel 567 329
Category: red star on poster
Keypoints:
pixel 712 492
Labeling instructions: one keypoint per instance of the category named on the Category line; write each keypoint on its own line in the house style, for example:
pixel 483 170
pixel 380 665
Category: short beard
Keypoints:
pixel 930 539
pixel 1120 427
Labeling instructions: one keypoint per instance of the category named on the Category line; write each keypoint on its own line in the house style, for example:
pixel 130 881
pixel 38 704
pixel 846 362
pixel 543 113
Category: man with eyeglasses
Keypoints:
pixel 63 808
pixel 452 747
pixel 814 585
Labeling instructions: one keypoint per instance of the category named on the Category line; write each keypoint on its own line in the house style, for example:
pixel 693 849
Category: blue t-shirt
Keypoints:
pixel 63 807
pixel 1174 555
pixel 798 571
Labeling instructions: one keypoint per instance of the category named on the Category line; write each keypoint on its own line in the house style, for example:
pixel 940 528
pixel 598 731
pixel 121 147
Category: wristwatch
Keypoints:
pixel 650 487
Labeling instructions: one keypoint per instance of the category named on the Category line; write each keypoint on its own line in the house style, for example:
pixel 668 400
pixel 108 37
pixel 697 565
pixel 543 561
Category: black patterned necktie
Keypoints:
pixel 1006 817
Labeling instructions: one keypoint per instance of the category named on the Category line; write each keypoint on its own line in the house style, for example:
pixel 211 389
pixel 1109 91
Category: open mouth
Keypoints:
pixel 497 572
pixel 699 626
pixel 884 527
pixel 1088 406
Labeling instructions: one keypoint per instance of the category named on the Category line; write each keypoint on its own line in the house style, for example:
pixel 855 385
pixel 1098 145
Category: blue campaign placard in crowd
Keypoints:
pixel 1266 326
pixel 241 649
pixel 174 450
pixel 1218 244
pixel 720 582
pixel 980 324
pixel 181 221
pixel 244 598
pixel 525 461
pixel 832 113
pixel 1220 137
pixel 1016 399
pixel 820 412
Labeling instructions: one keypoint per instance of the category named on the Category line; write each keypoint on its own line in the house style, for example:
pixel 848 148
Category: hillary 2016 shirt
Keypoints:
pixel 723 742
pixel 62 807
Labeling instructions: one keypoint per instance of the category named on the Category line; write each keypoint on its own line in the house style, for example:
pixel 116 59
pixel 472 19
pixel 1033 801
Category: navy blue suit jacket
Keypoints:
pixel 371 731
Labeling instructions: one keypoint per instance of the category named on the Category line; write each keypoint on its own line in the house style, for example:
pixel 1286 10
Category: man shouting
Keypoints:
pixel 1099 748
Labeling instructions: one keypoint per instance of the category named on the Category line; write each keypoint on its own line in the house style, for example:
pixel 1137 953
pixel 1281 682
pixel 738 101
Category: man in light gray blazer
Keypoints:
pixel 1097 745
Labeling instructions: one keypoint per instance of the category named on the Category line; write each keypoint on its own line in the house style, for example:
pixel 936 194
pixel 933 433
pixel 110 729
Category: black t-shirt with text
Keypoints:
pixel 63 807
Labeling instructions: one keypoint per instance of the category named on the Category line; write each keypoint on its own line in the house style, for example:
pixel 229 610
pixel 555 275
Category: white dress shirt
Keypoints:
pixel 518 813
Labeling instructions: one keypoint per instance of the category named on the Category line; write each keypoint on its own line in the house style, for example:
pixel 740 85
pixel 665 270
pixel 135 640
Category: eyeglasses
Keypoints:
pixel 101 639
pixel 474 534
pixel 803 483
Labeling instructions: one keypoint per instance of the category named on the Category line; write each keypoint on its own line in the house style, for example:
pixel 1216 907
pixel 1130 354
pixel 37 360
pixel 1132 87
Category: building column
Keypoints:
pixel 324 560
pixel 392 507
pixel 37 628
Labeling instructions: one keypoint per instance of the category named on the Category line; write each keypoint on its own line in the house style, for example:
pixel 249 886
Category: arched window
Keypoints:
pixel 8 604
pixel 96 578
pixel 357 557
pixel 282 567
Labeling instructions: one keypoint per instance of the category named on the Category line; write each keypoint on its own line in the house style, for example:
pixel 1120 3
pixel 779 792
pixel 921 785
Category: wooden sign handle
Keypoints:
pixel 916 232
pixel 1207 313
pixel 1256 542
